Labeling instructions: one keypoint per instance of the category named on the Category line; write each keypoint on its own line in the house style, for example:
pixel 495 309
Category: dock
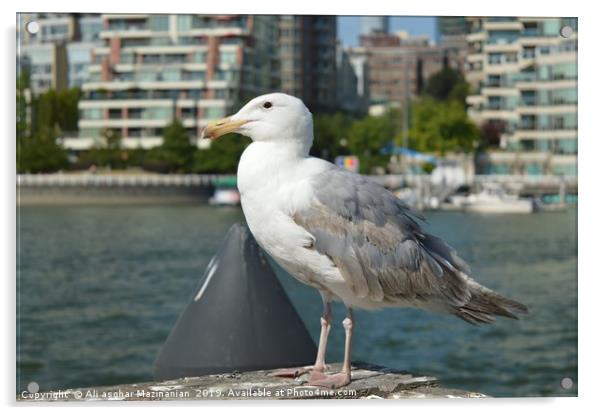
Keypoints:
pixel 367 382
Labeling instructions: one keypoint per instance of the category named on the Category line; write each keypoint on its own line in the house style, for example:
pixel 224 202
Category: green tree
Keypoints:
pixel 37 149
pixel 369 135
pixel 441 126
pixel 56 109
pixel 176 154
pixel 223 155
pixel 329 133
pixel 108 153
pixel 40 153
pixel 68 115
pixel 447 84
pixel 22 127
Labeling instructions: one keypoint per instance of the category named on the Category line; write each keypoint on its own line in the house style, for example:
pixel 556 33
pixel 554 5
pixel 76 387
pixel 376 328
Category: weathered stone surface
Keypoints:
pixel 368 382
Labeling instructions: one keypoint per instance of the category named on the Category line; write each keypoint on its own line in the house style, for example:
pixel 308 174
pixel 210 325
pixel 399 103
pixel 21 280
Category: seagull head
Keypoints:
pixel 275 117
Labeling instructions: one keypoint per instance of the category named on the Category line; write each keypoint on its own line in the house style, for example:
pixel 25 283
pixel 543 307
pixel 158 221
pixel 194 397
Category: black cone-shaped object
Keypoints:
pixel 240 318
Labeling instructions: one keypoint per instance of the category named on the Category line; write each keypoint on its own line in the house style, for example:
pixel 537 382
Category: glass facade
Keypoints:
pixel 172 65
pixel 530 74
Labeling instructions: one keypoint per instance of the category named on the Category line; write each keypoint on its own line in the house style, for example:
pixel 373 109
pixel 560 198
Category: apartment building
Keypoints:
pixel 151 69
pixel 400 64
pixel 308 53
pixel 524 73
pixel 58 54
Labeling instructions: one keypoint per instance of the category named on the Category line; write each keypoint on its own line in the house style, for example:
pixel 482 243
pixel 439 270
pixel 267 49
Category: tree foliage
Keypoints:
pixel 52 113
pixel 108 153
pixel 40 153
pixel 447 84
pixel 491 132
pixel 56 109
pixel 176 154
pixel 223 155
pixel 441 127
pixel 331 135
pixel 369 135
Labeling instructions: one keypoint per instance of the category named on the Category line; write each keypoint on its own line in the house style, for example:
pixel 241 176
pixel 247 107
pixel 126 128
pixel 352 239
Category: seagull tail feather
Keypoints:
pixel 485 304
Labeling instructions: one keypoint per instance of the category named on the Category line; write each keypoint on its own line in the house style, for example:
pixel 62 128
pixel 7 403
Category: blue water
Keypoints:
pixel 99 289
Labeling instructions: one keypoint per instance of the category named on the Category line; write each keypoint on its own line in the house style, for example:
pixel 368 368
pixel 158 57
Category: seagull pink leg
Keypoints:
pixel 320 365
pixel 319 378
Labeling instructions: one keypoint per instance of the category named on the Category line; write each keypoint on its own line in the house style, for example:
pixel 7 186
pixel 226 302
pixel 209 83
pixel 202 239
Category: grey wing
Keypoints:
pixel 376 241
pixel 380 248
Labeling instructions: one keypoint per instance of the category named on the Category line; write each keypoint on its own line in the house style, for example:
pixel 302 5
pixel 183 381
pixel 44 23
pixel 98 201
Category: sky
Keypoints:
pixel 349 27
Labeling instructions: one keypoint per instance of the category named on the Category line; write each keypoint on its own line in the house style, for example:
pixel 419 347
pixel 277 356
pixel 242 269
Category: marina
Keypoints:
pixel 484 194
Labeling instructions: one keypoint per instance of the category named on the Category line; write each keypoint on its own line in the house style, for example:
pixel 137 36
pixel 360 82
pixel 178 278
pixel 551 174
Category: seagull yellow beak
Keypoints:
pixel 218 128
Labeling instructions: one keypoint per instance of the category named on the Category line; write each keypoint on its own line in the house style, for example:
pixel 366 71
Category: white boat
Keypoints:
pixel 408 196
pixel 225 197
pixel 494 199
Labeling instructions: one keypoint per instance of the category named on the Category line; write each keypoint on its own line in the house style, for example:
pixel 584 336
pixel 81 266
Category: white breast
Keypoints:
pixel 272 189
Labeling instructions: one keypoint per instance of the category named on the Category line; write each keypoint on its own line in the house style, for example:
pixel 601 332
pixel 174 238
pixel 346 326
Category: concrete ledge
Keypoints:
pixel 368 382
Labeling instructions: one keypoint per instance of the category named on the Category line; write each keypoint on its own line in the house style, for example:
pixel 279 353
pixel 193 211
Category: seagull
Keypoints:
pixel 341 233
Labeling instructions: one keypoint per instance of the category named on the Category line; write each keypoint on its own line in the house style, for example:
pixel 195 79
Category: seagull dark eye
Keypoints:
pixel 267 105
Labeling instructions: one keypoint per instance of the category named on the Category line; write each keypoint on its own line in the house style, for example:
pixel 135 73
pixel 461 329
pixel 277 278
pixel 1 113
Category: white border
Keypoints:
pixel 590 150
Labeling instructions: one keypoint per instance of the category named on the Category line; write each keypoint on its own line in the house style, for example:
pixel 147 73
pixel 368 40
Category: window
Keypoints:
pixel 214 112
pixel 159 22
pixel 188 113
pixel 146 76
pixel 529 52
pixel 184 22
pixel 126 43
pixel 565 170
pixel 227 57
pixel 195 76
pixel 157 113
pixel 223 75
pixel 179 58
pixel 134 132
pixel 126 58
pixel 534 169
pixel 115 113
pixel 151 58
pixel 528 98
pixel 92 114
pixel 135 113
pixel 495 58
pixel 221 94
pixel 171 75
pixel 200 57
pixel 567 146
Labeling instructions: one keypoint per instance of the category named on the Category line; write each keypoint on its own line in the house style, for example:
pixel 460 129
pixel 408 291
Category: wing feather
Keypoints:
pixel 377 244
pixel 383 253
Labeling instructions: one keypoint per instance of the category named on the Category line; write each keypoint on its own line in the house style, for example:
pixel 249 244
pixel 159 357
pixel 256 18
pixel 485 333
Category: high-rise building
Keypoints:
pixel 308 48
pixel 452 26
pixel 374 24
pixel 349 95
pixel 153 68
pixel 58 55
pixel 399 65
pixel 52 27
pixel 525 73
pixel 452 32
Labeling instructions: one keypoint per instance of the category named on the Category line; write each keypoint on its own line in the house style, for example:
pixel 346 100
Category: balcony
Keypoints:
pixel 531 32
pixel 538 127
pixel 502 25
pixel 498 107
pixel 528 54
pixel 532 102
